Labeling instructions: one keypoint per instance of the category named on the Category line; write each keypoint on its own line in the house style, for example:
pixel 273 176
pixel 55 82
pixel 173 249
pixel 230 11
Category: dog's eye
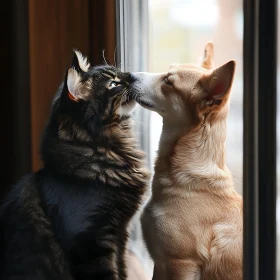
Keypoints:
pixel 167 81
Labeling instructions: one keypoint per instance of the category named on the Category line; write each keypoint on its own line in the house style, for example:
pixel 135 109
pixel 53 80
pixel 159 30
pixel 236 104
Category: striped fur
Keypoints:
pixel 70 219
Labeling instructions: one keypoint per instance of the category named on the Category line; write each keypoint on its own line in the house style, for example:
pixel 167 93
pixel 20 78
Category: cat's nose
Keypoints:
pixel 133 78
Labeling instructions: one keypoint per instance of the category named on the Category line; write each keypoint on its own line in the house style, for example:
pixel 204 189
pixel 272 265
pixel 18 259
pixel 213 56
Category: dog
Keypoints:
pixel 192 224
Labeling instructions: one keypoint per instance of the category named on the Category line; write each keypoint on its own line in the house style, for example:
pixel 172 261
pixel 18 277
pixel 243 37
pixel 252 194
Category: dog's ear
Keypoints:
pixel 207 62
pixel 218 83
pixel 77 88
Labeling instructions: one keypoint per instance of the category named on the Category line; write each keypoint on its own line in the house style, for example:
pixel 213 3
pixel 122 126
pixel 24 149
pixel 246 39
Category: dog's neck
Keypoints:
pixel 193 158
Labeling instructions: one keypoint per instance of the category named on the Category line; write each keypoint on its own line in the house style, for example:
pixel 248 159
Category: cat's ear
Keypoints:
pixel 74 85
pixel 77 87
pixel 79 62
pixel 217 84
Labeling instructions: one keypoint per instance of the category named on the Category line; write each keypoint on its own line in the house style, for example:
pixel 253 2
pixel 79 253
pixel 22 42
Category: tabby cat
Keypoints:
pixel 70 219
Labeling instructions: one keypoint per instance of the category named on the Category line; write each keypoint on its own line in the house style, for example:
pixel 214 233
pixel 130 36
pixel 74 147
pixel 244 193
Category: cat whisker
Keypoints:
pixel 135 119
pixel 104 59
pixel 115 63
pixel 139 99
pixel 119 66
pixel 124 95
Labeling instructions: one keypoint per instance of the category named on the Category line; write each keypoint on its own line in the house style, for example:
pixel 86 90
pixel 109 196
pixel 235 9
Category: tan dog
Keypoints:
pixel 192 224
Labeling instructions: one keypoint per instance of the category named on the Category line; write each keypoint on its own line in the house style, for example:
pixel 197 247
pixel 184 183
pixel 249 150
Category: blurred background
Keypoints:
pixel 37 49
pixel 177 33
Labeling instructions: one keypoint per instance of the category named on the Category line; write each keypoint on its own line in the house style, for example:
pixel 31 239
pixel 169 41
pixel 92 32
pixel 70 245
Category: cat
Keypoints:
pixel 70 219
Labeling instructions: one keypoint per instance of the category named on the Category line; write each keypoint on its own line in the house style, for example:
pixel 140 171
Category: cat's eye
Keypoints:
pixel 113 84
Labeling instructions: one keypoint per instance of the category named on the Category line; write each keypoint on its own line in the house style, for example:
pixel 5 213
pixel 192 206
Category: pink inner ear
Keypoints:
pixel 218 89
pixel 72 97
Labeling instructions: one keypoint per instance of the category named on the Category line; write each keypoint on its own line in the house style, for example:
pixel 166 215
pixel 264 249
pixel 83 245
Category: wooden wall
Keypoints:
pixel 102 31
pixel 35 53
pixel 55 28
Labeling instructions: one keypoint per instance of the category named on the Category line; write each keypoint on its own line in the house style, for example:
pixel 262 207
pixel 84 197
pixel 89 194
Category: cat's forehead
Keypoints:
pixel 110 72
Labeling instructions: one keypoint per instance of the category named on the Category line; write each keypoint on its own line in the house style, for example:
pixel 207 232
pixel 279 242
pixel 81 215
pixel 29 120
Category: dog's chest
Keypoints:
pixel 161 229
pixel 168 228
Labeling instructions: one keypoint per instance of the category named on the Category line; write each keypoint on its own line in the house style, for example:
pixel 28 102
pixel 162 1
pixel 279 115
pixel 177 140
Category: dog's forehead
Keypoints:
pixel 187 68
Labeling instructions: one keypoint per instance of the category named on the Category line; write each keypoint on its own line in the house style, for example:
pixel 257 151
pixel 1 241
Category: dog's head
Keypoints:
pixel 187 91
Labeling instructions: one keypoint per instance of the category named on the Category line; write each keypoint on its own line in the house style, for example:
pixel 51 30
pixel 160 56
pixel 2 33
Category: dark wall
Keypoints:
pixel 7 99
pixel 35 53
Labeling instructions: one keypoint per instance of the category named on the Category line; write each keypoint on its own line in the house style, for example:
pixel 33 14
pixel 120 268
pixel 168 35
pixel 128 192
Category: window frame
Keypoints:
pixel 132 54
pixel 259 162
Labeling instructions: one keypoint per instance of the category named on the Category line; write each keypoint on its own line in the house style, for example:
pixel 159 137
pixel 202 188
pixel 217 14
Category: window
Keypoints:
pixel 162 32
pixel 278 146
pixel 178 31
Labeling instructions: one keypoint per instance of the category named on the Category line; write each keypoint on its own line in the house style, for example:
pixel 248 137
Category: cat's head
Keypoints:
pixel 99 94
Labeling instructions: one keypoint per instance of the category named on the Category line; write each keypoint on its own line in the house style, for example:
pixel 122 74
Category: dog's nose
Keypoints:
pixel 138 76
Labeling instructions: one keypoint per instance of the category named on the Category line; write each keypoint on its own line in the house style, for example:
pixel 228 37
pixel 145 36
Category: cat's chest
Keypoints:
pixel 78 212
pixel 76 215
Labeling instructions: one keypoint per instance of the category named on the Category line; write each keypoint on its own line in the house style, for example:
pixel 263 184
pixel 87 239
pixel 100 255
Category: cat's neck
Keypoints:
pixel 106 156
pixel 193 159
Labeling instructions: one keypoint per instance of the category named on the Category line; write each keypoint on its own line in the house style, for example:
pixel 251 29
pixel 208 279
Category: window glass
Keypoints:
pixel 178 31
